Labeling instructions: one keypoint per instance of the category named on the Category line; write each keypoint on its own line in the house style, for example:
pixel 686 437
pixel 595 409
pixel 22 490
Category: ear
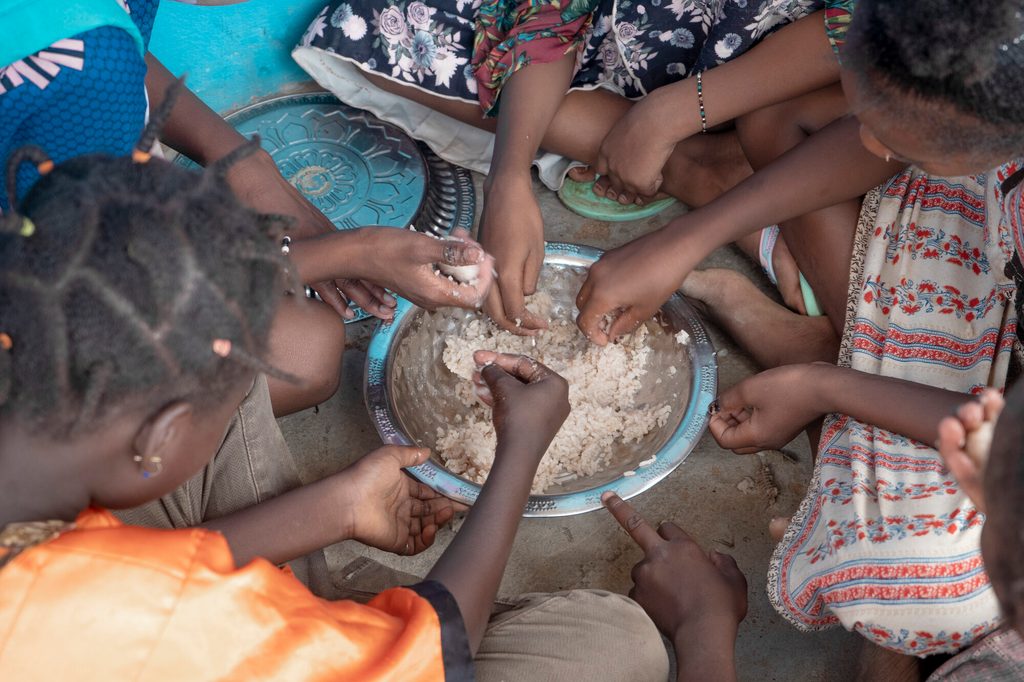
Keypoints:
pixel 157 438
pixel 873 144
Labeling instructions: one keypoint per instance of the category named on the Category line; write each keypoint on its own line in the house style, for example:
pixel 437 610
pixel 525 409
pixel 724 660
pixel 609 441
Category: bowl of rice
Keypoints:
pixel 639 406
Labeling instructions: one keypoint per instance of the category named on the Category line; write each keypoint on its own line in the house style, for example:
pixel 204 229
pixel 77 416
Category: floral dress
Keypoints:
pixel 466 50
pixel 885 542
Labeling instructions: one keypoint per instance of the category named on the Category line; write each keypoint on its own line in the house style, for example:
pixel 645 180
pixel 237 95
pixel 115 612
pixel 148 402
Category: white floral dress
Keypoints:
pixel 885 543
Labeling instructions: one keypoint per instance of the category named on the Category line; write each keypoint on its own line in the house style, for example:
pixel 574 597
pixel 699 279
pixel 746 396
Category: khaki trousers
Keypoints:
pixel 584 635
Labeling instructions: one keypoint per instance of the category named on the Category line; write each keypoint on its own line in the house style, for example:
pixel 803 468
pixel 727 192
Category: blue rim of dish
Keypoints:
pixel 449 200
pixel 703 389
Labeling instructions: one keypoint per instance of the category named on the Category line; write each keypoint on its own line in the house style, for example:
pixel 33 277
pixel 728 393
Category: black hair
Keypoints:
pixel 1004 499
pixel 968 56
pixel 130 281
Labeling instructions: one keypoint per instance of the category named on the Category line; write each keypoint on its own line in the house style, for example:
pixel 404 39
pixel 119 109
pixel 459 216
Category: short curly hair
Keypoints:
pixel 130 280
pixel 967 56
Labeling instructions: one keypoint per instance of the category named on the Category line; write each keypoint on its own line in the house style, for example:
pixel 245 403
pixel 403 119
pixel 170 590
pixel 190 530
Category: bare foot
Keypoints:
pixel 773 335
pixel 601 188
pixel 786 270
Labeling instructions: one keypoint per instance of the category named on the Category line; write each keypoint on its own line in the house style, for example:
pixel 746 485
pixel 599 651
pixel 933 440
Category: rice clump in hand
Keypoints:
pixel 603 386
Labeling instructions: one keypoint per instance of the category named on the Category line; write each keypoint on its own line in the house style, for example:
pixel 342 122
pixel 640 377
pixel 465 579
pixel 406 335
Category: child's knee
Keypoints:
pixel 590 634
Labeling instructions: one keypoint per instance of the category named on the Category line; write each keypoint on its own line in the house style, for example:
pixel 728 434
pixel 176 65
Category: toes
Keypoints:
pixel 582 174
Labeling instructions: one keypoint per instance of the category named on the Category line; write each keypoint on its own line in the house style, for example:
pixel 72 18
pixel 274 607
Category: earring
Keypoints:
pixel 888 158
pixel 146 472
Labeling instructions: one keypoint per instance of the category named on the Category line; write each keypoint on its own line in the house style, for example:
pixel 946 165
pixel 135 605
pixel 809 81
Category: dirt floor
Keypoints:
pixel 725 501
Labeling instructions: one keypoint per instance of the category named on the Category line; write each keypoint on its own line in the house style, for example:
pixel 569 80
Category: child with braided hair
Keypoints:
pixel 76 78
pixel 136 301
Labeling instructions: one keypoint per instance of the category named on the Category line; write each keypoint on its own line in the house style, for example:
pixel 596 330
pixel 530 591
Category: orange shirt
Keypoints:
pixel 107 601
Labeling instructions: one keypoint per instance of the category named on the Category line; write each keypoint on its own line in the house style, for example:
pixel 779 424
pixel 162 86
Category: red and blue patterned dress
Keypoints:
pixel 885 542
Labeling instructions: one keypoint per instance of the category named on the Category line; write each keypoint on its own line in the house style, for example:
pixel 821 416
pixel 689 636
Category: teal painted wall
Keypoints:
pixel 233 54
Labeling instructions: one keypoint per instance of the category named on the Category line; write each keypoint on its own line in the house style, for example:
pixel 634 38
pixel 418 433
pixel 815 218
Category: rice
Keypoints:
pixel 603 386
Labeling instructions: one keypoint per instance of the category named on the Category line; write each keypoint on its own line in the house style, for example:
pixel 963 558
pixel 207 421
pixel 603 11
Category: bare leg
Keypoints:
pixel 700 168
pixel 307 339
pixel 821 242
pixel 773 335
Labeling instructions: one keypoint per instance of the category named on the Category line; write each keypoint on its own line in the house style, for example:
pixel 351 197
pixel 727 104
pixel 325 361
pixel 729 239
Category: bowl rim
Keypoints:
pixel 703 389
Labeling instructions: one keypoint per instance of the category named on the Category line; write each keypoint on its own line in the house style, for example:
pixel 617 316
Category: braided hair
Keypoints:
pixel 1004 494
pixel 130 279
pixel 946 54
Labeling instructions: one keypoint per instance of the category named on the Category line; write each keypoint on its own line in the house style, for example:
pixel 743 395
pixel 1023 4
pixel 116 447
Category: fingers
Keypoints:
pixel 952 436
pixel 732 434
pixel 626 321
pixel 634 524
pixel 513 301
pixel 672 532
pixel 521 367
pixel 591 321
pixel 368 299
pixel 329 294
pixel 972 414
pixel 993 402
pixel 531 272
pixel 460 251
pixel 408 456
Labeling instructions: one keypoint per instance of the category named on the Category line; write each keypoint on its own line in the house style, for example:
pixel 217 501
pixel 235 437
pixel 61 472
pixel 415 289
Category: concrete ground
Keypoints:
pixel 711 495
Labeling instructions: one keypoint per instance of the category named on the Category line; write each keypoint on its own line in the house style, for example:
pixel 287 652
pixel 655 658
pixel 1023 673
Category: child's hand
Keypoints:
pixel 387 508
pixel 768 410
pixel 629 284
pixel 512 229
pixel 259 184
pixel 696 598
pixel 529 401
pixel 404 262
pixel 965 440
pixel 634 152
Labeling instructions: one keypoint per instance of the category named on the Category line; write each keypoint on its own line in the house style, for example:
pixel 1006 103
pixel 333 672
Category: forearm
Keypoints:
pixel 472 566
pixel 528 104
pixel 750 82
pixel 193 129
pixel 339 255
pixel 288 526
pixel 910 409
pixel 831 167
pixel 706 654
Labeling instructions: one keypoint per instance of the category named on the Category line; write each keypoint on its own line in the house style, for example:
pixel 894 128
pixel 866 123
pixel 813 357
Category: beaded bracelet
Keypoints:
pixel 700 103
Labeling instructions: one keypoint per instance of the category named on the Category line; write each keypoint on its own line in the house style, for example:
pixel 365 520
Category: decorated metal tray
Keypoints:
pixel 410 393
pixel 358 170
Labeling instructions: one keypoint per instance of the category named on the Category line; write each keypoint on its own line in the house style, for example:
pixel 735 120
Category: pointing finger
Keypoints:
pixel 634 524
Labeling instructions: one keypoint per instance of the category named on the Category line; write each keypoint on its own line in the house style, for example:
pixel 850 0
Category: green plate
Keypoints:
pixel 579 198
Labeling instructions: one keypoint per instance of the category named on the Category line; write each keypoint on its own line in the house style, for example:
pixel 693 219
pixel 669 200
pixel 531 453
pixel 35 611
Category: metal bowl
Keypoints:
pixel 409 391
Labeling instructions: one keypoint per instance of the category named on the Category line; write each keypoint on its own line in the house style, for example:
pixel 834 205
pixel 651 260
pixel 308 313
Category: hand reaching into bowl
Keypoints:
pixel 401 261
pixel 529 401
